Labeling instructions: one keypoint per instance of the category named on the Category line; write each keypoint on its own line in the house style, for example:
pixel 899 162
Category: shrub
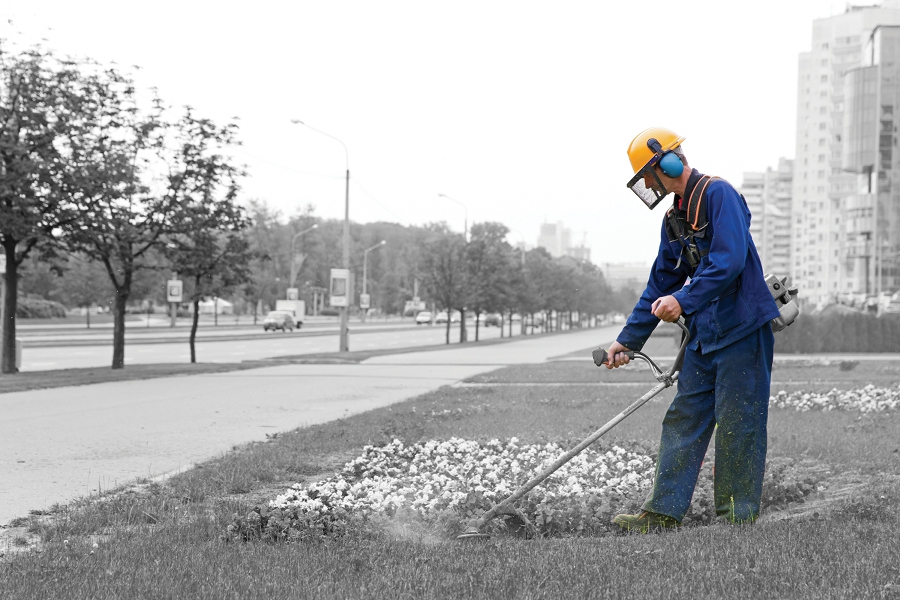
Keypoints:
pixel 35 307
pixel 848 332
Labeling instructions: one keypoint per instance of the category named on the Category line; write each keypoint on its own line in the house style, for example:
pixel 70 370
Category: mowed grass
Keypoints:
pixel 162 540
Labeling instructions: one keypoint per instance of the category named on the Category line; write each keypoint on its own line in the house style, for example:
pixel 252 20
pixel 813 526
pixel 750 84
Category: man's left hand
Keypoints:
pixel 667 309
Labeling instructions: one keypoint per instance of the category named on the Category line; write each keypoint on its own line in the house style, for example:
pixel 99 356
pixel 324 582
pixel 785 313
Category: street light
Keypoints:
pixel 293 256
pixel 462 312
pixel 344 345
pixel 365 272
pixel 465 212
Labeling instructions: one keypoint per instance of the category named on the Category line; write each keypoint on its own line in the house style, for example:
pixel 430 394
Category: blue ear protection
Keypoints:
pixel 669 163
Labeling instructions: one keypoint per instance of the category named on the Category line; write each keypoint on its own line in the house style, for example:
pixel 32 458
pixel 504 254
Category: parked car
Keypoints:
pixel 278 320
pixel 489 319
pixel 442 317
pixel 423 318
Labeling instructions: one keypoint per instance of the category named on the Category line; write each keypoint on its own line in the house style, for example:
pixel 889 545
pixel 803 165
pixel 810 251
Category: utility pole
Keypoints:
pixel 345 310
pixel 344 344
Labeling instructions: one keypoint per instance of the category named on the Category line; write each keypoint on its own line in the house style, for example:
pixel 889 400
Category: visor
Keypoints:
pixel 646 185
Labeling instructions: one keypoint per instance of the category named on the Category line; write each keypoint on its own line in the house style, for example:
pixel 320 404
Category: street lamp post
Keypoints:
pixel 462 311
pixel 366 273
pixel 344 345
pixel 293 255
pixel 465 213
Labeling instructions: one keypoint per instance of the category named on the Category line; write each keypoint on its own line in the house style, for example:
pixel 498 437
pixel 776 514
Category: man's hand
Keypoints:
pixel 667 309
pixel 616 357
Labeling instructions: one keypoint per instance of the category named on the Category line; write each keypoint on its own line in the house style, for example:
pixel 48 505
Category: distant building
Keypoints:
pixel 580 252
pixel 632 275
pixel 768 197
pixel 871 252
pixel 775 243
pixel 554 238
pixel 752 190
pixel 557 240
pixel 845 163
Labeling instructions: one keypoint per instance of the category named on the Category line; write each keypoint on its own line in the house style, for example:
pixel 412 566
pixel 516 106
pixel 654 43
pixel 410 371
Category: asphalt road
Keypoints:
pixel 239 346
pixel 60 444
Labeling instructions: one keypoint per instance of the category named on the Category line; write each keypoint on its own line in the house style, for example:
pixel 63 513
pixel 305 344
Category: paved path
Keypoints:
pixel 60 444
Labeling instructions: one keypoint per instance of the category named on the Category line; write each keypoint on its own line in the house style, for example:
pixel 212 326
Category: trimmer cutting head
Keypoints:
pixel 517 525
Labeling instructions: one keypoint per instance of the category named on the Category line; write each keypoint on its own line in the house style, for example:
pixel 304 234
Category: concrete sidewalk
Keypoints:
pixel 57 445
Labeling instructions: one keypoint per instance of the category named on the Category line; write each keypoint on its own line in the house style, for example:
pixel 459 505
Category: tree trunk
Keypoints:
pixel 87 316
pixel 194 322
pixel 462 325
pixel 118 361
pixel 448 327
pixel 502 323
pixel 10 295
pixel 477 314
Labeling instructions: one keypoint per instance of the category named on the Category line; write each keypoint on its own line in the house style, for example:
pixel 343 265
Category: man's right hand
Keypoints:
pixel 616 357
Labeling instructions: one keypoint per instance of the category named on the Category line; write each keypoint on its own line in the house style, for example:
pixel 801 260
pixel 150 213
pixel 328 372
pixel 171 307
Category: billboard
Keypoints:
pixel 339 288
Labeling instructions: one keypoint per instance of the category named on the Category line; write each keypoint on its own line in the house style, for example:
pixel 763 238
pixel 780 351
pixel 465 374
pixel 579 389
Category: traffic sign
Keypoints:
pixel 293 293
pixel 364 300
pixel 174 290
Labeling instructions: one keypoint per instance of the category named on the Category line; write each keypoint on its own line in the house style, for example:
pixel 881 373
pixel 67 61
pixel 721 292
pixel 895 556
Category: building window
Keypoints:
pixel 824 78
pixel 822 125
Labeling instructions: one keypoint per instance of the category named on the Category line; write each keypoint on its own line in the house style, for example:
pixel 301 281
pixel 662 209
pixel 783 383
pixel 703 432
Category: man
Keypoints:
pixel 724 383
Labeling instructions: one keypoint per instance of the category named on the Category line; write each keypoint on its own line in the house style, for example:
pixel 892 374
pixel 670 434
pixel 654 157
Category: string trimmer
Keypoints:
pixel 506 507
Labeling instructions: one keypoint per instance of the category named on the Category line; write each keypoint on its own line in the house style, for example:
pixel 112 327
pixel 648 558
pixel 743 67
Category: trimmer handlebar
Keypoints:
pixel 601 356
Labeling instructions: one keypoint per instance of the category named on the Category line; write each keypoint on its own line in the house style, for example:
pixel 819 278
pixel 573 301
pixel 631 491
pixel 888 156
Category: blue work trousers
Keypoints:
pixel 728 387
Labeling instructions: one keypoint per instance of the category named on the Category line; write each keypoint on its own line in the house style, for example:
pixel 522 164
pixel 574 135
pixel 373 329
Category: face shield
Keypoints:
pixel 647 186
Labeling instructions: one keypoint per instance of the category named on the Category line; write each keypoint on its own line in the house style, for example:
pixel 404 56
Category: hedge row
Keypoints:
pixel 840 333
pixel 31 307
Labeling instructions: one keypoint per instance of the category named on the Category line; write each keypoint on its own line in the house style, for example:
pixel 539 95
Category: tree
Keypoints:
pixel 206 241
pixel 131 175
pixel 216 261
pixel 39 96
pixel 487 268
pixel 444 269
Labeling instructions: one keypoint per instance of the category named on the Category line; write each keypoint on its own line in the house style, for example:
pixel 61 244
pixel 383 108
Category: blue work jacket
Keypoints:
pixel 727 297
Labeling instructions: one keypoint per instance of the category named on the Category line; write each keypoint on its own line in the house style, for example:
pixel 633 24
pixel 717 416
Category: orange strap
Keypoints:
pixel 695 201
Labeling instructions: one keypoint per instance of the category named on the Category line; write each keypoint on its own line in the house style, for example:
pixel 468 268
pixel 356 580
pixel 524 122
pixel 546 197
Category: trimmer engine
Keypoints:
pixel 784 298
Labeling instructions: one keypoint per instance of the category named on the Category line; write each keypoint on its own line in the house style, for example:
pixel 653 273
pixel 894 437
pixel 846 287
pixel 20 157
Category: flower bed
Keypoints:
pixel 866 399
pixel 443 484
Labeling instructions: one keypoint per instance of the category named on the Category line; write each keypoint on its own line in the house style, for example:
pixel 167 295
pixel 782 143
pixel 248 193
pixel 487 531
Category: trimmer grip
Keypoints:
pixel 600 356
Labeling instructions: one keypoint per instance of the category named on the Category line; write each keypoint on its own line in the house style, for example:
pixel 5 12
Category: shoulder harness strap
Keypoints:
pixel 695 217
pixel 696 206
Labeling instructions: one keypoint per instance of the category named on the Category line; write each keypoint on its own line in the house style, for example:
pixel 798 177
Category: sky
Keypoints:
pixel 518 111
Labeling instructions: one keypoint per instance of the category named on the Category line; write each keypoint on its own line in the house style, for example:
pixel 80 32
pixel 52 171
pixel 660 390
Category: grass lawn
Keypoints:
pixel 164 539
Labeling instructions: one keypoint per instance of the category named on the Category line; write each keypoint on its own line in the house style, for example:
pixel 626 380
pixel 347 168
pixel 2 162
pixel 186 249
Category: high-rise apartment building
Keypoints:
pixel 824 242
pixel 774 242
pixel 870 140
pixel 752 191
pixel 768 197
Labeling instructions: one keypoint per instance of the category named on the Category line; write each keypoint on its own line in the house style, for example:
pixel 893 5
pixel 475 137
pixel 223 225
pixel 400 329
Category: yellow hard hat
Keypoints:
pixel 640 152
